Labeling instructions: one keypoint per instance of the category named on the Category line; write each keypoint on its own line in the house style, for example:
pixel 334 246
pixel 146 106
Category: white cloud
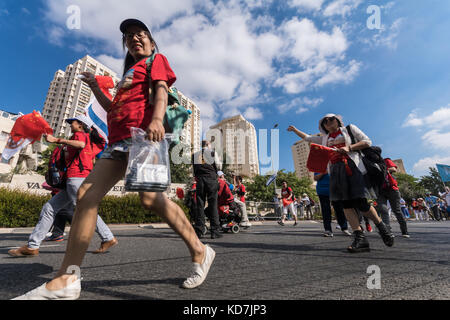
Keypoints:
pixel 301 104
pixel 114 64
pixel 310 44
pixel 413 120
pixel 253 114
pixel 341 7
pixel 307 4
pixel 220 51
pixel 388 36
pixel 437 139
pixel 320 54
pixel 421 168
pixel 436 136
pixel 55 36
pixel 439 118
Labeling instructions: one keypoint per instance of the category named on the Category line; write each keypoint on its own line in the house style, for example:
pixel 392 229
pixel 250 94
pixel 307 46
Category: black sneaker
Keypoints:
pixel 386 235
pixel 360 243
pixel 281 223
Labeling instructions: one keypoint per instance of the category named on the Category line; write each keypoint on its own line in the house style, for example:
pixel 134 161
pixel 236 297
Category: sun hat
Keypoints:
pixel 81 118
pixel 330 115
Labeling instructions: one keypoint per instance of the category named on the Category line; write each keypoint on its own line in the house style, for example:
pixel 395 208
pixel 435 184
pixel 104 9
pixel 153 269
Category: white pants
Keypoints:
pixel 289 208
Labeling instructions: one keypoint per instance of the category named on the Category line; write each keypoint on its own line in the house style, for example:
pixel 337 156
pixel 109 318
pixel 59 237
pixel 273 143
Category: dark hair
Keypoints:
pixel 95 136
pixel 284 182
pixel 205 143
pixel 83 125
pixel 129 60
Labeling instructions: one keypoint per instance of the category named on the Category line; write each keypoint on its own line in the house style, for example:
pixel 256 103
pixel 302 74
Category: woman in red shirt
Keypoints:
pixel 141 101
pixel 348 179
pixel 78 158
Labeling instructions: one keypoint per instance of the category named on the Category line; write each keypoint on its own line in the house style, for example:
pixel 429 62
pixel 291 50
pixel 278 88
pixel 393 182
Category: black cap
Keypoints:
pixel 132 22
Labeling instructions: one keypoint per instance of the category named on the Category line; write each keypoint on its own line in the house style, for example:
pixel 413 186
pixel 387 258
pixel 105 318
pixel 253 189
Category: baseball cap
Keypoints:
pixel 132 22
pixel 81 118
pixel 220 173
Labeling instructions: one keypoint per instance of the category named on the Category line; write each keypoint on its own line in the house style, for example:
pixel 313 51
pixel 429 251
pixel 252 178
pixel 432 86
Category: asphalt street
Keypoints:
pixel 265 262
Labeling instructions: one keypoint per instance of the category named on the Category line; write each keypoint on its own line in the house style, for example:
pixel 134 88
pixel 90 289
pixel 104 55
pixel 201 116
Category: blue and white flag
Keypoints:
pixel 271 179
pixel 444 172
pixel 95 112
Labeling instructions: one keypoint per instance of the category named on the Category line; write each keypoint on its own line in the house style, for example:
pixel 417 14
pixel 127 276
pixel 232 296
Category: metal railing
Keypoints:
pixel 259 211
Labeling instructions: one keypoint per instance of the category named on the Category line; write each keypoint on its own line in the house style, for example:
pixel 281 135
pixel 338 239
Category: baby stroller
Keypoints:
pixel 230 216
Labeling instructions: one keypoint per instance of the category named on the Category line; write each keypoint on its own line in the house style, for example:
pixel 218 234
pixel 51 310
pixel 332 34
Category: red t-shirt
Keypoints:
pixel 225 197
pixel 133 104
pixel 392 182
pixel 86 157
pixel 241 190
pixel 336 140
pixel 285 193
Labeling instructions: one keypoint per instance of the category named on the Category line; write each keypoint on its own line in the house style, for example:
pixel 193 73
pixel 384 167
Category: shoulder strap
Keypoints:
pixel 149 63
pixel 349 130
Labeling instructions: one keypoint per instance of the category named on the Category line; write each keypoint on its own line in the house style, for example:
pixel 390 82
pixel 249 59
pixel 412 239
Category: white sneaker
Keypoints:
pixel 71 292
pixel 245 224
pixel 200 270
pixel 346 232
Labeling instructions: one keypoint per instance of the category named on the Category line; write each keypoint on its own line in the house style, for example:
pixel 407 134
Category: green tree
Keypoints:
pixel 180 173
pixel 43 166
pixel 257 190
pixel 432 182
pixel 409 186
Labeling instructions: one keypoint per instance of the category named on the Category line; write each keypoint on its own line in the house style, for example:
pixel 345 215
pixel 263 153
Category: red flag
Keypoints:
pixel 30 126
pixel 105 83
pixel 180 193
pixel 318 159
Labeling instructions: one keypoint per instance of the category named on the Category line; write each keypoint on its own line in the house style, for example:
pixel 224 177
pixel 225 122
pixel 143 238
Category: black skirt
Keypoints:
pixel 345 187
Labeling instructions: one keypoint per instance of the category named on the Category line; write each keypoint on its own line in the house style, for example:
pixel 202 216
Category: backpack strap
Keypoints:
pixel 349 130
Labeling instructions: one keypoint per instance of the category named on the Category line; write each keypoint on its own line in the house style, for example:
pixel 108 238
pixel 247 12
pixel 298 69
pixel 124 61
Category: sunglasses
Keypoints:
pixel 130 36
pixel 326 120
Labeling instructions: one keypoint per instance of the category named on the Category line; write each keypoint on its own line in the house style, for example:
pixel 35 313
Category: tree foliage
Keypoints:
pixel 432 182
pixel 257 190
pixel 409 186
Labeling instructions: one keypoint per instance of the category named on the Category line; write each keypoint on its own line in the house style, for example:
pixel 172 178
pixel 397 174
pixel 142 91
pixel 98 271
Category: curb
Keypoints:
pixel 118 227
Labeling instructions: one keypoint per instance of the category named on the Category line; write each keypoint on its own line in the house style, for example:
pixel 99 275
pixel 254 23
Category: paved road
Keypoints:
pixel 266 262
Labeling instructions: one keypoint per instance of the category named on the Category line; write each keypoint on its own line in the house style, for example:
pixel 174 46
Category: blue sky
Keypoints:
pixel 285 62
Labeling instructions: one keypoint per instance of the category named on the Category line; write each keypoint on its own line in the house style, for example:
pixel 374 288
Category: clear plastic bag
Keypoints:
pixel 148 163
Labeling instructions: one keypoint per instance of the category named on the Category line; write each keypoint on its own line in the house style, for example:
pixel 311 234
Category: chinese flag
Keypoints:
pixel 30 126
pixel 105 83
pixel 318 159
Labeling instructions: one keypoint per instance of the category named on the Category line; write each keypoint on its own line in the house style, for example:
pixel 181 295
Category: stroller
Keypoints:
pixel 230 216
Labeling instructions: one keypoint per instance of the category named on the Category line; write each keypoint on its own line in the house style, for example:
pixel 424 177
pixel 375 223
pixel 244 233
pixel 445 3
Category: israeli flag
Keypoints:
pixel 444 172
pixel 95 112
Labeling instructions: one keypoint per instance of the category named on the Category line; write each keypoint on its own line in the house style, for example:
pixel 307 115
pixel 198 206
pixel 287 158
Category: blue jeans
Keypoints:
pixel 65 199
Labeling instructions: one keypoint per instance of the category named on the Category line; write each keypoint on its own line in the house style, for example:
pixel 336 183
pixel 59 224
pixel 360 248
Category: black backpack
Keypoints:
pixel 374 163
